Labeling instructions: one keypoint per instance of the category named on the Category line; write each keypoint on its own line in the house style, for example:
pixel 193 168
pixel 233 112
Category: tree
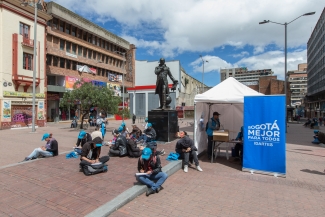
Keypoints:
pixel 87 96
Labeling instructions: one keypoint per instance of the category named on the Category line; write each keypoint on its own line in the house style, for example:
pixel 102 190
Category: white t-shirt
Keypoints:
pixel 96 134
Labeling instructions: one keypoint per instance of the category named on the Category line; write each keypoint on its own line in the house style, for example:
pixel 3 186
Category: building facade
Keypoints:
pixel 143 97
pixel 316 70
pixel 16 65
pixel 78 49
pixel 244 76
pixel 298 84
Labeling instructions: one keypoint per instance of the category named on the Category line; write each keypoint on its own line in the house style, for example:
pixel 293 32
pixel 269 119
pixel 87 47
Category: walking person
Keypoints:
pixel 213 124
pixel 133 118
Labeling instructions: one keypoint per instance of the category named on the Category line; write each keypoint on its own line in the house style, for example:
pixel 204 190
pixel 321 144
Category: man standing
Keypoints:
pixel 162 89
pixel 133 118
pixel 150 164
pixel 213 124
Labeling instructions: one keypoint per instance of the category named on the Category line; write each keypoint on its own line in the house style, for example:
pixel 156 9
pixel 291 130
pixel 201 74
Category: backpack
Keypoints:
pixel 90 169
pixel 99 121
pixel 130 152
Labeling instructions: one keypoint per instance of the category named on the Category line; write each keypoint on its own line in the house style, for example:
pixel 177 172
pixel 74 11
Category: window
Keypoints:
pixel 62 63
pixel 80 50
pixel 61 25
pixel 55 61
pixel 67 28
pixel 79 34
pixel 73 31
pixel 89 54
pixel 24 30
pixel 68 64
pixel 74 48
pixel 95 53
pixel 27 61
pixel 85 36
pixel 49 60
pixel 94 40
pixel 98 42
pixel 90 38
pixel 55 22
pixel 68 47
pixel 62 44
pixel 85 52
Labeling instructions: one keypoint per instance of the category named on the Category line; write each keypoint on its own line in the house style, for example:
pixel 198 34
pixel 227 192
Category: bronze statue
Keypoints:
pixel 162 84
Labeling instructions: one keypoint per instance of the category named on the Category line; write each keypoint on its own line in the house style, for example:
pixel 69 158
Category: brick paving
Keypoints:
pixel 54 187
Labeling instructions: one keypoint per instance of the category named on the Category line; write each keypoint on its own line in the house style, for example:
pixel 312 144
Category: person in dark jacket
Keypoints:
pixel 119 148
pixel 133 149
pixel 148 135
pixel 49 150
pixel 133 118
pixel 83 137
pixel 136 132
pixel 150 164
pixel 213 124
pixel 90 152
pixel 186 149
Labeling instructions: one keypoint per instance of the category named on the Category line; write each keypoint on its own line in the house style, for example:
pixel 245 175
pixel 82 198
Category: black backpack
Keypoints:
pixel 90 169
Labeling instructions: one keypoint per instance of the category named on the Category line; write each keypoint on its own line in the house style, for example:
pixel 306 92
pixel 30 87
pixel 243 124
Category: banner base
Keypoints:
pixel 252 171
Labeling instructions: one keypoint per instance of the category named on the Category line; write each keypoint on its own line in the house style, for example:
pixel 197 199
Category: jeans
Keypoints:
pixel 187 155
pixel 78 150
pixel 145 138
pixel 149 180
pixel 38 151
pixel 209 151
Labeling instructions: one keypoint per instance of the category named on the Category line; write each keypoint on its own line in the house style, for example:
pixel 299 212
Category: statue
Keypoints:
pixel 162 84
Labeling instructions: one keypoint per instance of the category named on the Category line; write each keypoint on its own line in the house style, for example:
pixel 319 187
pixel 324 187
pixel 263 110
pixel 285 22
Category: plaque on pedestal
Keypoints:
pixel 165 123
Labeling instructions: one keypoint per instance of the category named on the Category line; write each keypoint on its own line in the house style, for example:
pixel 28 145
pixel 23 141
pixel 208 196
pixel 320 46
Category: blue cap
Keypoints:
pixel 99 145
pixel 120 129
pixel 146 120
pixel 149 125
pixel 123 124
pixel 146 153
pixel 45 136
pixel 81 134
pixel 316 131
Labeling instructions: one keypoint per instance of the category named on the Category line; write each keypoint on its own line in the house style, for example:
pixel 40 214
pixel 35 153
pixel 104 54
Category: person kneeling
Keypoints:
pixel 90 162
pixel 150 164
pixel 186 150
pixel 49 150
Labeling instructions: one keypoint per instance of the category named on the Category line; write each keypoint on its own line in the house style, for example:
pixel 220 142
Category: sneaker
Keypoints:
pixel 162 152
pixel 105 168
pixel 159 189
pixel 149 191
pixel 199 168
pixel 186 168
pixel 26 159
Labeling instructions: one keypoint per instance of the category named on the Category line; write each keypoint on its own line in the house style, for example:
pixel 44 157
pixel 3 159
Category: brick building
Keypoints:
pixel 79 49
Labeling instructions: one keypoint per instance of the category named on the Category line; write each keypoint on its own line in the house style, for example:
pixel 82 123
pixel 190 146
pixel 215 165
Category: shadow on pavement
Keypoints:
pixel 222 160
pixel 313 172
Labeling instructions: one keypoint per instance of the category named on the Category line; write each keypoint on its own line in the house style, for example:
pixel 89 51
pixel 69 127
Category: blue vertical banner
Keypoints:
pixel 264 134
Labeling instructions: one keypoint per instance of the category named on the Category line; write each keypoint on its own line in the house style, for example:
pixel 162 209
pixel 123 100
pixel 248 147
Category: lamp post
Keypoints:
pixel 203 72
pixel 34 60
pixel 285 55
pixel 124 63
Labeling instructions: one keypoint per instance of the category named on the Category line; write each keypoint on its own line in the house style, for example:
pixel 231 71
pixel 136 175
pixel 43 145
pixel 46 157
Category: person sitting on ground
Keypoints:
pixel 239 146
pixel 119 148
pixel 124 131
pixel 133 149
pixel 307 122
pixel 319 137
pixel 74 122
pixel 186 149
pixel 90 153
pixel 49 150
pixel 96 133
pixel 83 137
pixel 136 132
pixel 146 121
pixel 148 135
pixel 150 164
pixel 91 121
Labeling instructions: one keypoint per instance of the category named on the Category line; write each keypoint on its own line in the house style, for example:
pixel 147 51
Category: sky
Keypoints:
pixel 225 32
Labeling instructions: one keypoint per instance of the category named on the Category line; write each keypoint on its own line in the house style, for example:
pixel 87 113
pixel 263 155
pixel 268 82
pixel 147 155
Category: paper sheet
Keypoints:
pixel 140 174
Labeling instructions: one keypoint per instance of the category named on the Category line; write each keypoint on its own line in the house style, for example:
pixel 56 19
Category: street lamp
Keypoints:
pixel 285 55
pixel 25 4
pixel 124 61
pixel 203 72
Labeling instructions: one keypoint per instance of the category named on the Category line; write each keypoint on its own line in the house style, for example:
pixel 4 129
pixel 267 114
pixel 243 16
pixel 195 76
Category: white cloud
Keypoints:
pixel 241 54
pixel 202 25
pixel 214 64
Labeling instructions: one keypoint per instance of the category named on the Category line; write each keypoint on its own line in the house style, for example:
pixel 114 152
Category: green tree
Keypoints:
pixel 88 95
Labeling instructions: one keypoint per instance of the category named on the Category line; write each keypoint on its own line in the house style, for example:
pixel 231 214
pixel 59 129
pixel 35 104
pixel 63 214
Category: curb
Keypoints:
pixel 131 193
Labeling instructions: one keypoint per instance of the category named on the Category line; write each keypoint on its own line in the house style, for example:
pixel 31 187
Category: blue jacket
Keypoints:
pixel 213 125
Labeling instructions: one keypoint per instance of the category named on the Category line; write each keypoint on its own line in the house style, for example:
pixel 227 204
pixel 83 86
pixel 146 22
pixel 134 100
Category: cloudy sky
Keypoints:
pixel 225 32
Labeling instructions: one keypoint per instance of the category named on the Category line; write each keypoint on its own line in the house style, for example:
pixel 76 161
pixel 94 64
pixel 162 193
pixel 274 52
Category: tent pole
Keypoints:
pixel 194 132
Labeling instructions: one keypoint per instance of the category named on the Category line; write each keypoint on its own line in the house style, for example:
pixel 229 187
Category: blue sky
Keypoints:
pixel 224 32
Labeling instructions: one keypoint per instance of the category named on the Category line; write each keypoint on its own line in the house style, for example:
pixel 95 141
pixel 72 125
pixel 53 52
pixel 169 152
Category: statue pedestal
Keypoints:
pixel 165 122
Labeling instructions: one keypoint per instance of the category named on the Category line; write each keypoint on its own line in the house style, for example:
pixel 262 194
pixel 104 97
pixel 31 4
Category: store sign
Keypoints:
pixel 115 88
pixel 22 94
pixel 6 110
pixel 69 82
pixel 99 83
pixel 22 102
pixel 53 96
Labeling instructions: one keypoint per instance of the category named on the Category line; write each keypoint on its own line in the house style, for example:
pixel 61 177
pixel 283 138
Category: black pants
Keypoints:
pixel 103 160
pixel 114 152
pixel 239 150
pixel 133 121
pixel 187 156
pixel 209 151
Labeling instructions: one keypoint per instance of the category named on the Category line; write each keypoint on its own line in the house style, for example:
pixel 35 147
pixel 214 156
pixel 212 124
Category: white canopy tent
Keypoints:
pixel 227 98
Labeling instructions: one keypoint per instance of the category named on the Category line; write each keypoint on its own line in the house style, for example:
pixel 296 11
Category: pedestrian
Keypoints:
pixel 49 150
pixel 133 118
pixel 213 124
pixel 320 120
pixel 150 164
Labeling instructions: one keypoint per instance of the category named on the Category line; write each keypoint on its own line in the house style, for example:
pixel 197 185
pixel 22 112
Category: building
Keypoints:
pixel 79 49
pixel 143 97
pixel 298 84
pixel 244 76
pixel 316 69
pixel 16 64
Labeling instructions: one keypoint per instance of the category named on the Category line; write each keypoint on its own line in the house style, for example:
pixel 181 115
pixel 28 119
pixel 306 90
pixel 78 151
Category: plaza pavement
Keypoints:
pixel 54 187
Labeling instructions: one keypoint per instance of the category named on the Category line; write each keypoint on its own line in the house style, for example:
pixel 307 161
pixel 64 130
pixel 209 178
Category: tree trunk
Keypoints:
pixel 82 120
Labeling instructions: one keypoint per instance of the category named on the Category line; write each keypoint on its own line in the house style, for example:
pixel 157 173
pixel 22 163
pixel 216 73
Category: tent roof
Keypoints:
pixel 228 91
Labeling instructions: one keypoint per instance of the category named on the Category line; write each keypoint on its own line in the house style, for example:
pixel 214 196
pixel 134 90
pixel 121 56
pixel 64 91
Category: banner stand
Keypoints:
pixel 253 171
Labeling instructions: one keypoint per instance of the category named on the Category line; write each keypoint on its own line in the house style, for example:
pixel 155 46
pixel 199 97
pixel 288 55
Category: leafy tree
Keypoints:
pixel 88 96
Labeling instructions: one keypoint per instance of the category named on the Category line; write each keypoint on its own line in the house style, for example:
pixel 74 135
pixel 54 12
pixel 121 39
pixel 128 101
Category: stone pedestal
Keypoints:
pixel 165 122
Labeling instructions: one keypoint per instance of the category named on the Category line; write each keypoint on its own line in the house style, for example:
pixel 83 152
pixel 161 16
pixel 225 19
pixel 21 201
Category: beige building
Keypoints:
pixel 244 76
pixel 298 84
pixel 16 64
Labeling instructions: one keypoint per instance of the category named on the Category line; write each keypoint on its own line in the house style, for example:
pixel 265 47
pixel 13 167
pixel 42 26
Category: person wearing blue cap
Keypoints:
pixel 90 152
pixel 150 164
pixel 83 137
pixel 49 150
pixel 146 121
pixel 148 134
pixel 120 146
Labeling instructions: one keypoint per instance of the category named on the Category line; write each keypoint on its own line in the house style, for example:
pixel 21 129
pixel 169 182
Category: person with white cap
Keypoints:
pixel 49 150
pixel 150 164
